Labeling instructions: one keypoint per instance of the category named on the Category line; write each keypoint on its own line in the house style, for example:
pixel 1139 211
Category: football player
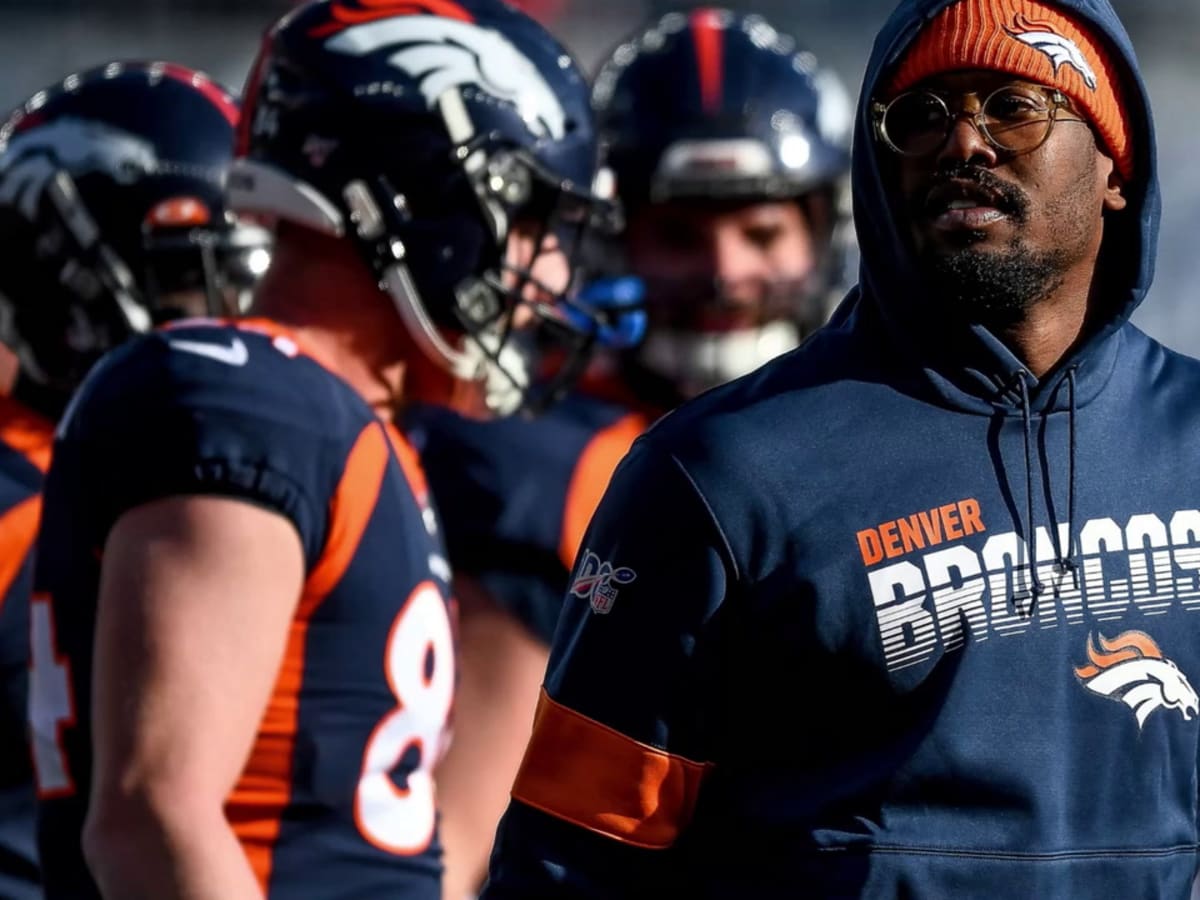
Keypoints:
pixel 112 218
pixel 250 605
pixel 729 147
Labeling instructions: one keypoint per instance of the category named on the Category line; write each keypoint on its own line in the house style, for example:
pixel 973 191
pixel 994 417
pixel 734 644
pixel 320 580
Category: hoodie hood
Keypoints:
pixel 968 366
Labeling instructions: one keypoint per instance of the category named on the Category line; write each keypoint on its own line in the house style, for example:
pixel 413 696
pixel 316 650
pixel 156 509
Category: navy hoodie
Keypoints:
pixel 890 617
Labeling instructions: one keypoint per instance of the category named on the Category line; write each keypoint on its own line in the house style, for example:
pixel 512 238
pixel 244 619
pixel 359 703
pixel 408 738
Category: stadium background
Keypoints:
pixel 42 40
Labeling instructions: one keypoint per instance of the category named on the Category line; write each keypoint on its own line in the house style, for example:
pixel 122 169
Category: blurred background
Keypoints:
pixel 44 40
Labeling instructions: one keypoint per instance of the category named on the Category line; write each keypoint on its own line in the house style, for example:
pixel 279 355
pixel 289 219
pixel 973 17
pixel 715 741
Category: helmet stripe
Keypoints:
pixel 345 15
pixel 214 92
pixel 707 28
pixel 250 94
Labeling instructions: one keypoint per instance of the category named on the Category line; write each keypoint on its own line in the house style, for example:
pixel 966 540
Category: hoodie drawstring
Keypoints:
pixel 1067 562
pixel 1030 531
pixel 1064 561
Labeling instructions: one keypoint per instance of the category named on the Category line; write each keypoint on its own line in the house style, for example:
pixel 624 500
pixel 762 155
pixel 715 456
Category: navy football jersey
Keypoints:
pixel 24 455
pixel 336 798
pixel 516 495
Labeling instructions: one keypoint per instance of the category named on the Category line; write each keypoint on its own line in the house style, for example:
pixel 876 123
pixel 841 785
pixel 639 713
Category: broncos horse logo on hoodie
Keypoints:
pixel 1132 669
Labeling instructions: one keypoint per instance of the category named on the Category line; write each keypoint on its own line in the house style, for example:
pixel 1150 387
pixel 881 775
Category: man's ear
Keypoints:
pixel 1114 192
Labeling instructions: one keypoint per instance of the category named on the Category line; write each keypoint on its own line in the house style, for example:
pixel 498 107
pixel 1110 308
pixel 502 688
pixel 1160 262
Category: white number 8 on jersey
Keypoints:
pixel 419 665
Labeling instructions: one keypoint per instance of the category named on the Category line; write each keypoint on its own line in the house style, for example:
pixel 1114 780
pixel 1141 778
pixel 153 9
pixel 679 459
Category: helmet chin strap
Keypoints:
pixel 505 372
pixel 484 357
pixel 407 299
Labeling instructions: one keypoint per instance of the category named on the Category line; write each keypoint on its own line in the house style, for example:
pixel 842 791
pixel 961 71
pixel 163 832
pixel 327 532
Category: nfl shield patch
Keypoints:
pixel 597 580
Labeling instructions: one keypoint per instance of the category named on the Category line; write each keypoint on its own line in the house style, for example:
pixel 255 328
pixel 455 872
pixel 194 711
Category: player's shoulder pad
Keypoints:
pixel 209 408
pixel 214 367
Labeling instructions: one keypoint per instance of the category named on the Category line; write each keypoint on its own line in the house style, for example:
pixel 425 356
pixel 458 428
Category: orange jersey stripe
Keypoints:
pixel 590 479
pixel 350 510
pixel 18 530
pixel 410 462
pixel 33 437
pixel 26 432
pixel 580 770
pixel 283 335
pixel 257 802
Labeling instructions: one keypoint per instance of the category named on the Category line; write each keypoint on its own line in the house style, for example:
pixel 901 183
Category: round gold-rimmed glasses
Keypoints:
pixel 1012 119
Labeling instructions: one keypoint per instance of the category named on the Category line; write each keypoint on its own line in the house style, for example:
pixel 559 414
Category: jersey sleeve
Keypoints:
pixel 620 750
pixel 156 422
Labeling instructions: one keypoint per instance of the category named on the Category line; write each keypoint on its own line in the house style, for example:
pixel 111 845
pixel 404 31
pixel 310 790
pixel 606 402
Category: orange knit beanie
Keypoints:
pixel 1032 40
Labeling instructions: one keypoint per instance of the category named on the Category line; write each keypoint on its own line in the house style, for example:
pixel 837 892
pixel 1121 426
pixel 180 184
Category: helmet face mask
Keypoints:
pixel 402 132
pixel 705 115
pixel 203 268
pixel 89 169
pixel 71 298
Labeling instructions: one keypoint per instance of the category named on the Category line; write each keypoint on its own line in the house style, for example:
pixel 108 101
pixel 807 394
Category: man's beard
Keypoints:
pixel 997 287
pixel 993 287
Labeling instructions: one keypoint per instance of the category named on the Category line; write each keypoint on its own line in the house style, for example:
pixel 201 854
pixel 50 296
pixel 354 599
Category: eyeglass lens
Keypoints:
pixel 1012 118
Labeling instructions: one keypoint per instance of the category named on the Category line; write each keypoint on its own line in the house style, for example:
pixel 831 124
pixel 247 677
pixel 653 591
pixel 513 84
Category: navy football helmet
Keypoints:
pixel 716 107
pixel 112 217
pixel 422 130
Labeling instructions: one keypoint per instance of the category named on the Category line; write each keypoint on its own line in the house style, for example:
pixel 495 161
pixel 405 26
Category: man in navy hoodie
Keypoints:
pixel 913 611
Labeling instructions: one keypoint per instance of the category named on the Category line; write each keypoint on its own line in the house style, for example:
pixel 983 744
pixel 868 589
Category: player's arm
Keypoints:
pixel 508 608
pixel 621 748
pixel 501 665
pixel 502 536
pixel 196 599
pixel 500 668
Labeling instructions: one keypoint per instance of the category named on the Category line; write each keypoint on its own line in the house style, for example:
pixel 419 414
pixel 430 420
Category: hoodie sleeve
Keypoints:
pixel 620 753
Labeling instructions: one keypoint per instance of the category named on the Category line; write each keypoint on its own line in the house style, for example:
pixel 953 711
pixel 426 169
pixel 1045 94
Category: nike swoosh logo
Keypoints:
pixel 236 354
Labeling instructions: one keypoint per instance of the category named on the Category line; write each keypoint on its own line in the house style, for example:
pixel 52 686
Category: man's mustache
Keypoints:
pixel 1004 196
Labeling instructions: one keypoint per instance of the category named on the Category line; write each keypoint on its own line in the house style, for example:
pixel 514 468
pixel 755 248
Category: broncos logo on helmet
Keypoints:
pixel 78 145
pixel 1131 668
pixel 442 53
pixel 1061 50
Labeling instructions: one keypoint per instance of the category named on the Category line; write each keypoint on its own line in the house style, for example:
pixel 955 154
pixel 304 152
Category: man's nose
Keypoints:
pixel 965 143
